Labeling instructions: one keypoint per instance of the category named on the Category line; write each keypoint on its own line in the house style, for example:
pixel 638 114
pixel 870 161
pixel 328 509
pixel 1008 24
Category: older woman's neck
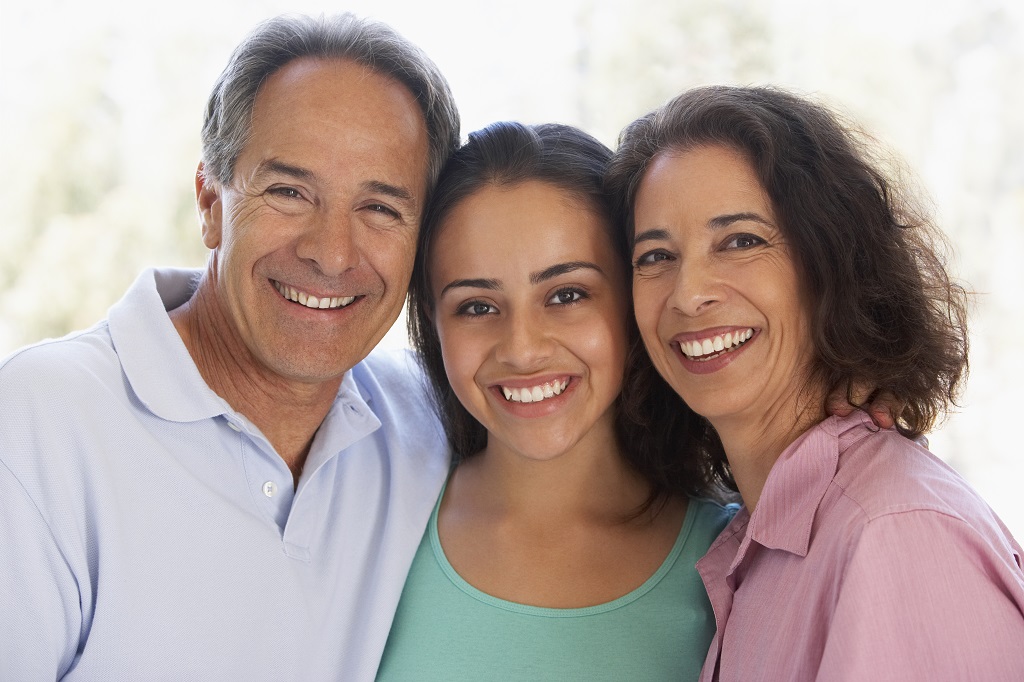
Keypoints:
pixel 752 446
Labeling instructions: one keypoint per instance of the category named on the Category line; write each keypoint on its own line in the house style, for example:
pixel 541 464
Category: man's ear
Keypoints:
pixel 209 204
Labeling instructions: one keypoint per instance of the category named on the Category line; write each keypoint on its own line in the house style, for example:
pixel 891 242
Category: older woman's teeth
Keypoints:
pixel 302 298
pixel 534 394
pixel 716 344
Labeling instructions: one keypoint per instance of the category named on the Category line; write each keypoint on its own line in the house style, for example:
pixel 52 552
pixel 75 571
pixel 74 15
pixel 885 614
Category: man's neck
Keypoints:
pixel 287 412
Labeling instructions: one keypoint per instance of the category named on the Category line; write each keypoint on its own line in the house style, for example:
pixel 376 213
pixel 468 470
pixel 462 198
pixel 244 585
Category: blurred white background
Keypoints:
pixel 101 105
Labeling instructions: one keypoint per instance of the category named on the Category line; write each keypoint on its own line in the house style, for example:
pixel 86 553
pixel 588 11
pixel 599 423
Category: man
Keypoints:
pixel 217 482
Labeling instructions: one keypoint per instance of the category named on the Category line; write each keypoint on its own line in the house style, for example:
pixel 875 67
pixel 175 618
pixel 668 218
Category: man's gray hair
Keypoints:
pixel 276 42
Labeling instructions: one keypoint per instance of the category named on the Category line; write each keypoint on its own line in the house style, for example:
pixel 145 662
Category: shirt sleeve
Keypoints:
pixel 925 596
pixel 40 616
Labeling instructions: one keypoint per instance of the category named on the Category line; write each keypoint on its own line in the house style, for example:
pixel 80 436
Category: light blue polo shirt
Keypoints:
pixel 150 532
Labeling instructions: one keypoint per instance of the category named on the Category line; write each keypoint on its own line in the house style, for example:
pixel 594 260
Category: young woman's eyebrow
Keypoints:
pixel 491 284
pixel 561 269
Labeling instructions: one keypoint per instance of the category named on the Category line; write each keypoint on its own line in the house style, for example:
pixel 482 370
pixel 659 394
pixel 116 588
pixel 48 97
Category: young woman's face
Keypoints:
pixel 715 287
pixel 531 308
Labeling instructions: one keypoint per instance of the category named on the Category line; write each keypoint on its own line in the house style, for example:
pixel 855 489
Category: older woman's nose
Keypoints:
pixel 696 288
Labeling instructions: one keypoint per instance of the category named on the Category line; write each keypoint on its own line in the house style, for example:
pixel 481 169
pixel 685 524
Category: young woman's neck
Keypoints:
pixel 592 482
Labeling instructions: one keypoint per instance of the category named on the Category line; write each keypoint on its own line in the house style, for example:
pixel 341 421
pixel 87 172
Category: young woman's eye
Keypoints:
pixel 743 241
pixel 652 257
pixel 567 296
pixel 476 309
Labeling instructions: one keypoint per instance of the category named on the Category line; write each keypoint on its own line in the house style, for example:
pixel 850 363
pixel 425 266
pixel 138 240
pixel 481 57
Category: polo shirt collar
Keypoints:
pixel 160 369
pixel 154 358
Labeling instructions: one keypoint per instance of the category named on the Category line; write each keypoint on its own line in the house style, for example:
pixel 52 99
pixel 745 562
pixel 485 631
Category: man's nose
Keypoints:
pixel 329 241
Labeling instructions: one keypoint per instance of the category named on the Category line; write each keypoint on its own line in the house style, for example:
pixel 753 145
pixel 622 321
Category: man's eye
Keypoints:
pixel 384 210
pixel 285 192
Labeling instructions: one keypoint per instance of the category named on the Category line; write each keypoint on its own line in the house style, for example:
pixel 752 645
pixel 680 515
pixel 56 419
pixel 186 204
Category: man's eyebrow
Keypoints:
pixel 491 284
pixel 394 191
pixel 561 269
pixel 273 166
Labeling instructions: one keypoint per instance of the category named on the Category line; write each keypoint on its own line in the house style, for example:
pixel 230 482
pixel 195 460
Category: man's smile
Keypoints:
pixel 309 300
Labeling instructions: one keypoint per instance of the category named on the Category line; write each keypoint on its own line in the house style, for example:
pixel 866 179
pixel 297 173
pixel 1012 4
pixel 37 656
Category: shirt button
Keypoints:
pixel 269 488
pixel 234 426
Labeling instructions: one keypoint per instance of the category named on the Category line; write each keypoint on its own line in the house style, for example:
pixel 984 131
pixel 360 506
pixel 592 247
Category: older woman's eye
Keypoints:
pixel 652 257
pixel 744 241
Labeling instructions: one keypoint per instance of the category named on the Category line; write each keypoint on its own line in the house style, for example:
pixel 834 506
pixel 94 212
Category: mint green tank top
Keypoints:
pixel 445 629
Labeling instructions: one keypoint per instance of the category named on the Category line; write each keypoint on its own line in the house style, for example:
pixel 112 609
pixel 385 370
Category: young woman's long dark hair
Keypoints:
pixel 656 430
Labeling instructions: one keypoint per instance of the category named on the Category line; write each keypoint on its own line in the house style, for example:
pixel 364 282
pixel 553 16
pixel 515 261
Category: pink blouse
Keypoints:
pixel 867 558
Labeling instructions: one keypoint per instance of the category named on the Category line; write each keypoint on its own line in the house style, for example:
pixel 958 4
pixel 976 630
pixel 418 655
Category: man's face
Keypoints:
pixel 314 237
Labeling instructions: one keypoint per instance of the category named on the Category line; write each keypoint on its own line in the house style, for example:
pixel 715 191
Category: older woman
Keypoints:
pixel 775 264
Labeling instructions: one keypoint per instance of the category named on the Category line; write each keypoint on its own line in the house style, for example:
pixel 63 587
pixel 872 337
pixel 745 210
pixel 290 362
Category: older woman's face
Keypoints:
pixel 715 287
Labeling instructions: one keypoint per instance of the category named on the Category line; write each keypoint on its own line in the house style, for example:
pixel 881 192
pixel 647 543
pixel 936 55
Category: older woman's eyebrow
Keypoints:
pixel 561 269
pixel 654 234
pixel 491 284
pixel 718 222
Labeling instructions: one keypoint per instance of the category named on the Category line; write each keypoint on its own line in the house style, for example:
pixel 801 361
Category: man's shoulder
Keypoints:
pixel 394 386
pixel 391 369
pixel 60 362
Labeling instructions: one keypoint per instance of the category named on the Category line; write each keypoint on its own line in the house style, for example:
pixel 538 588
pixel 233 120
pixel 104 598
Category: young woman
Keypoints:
pixel 774 265
pixel 564 544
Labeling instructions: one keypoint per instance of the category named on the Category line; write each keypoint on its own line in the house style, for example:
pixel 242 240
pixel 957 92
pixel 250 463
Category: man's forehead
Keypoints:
pixel 337 109
pixel 319 77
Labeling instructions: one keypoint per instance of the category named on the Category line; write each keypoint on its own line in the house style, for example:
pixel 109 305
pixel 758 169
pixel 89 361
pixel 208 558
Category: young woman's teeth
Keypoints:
pixel 716 344
pixel 302 298
pixel 535 394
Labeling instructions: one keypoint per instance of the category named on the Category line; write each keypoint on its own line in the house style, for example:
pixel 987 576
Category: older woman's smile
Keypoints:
pixel 706 347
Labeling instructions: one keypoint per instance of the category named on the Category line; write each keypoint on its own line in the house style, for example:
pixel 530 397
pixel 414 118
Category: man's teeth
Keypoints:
pixel 302 298
pixel 715 344
pixel 535 394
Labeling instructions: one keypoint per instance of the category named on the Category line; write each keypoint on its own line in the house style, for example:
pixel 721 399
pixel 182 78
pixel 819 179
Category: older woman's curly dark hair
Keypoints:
pixel 885 312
